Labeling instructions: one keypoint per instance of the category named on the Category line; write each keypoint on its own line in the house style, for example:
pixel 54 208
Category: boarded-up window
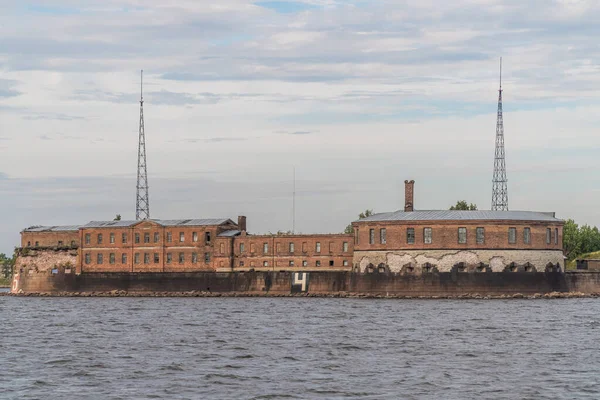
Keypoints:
pixel 222 248
pixel 331 247
pixel 410 235
pixel 527 235
pixel 304 247
pixel 512 235
pixel 462 235
pixel 427 235
pixel 480 235
pixel 278 246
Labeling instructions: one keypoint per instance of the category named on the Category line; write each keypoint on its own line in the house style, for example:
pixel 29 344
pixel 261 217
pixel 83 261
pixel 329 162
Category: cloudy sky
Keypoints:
pixel 357 95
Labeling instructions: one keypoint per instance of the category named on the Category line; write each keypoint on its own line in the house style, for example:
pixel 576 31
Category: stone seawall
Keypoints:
pixel 318 283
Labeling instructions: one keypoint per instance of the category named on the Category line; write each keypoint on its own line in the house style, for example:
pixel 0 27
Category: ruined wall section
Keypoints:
pixel 444 260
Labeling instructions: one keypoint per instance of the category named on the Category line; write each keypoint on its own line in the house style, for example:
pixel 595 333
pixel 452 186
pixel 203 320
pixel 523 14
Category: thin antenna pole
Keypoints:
pixel 294 204
pixel 142 204
pixel 500 73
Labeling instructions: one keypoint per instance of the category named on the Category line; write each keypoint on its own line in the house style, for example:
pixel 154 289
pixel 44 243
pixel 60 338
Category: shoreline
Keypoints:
pixel 467 296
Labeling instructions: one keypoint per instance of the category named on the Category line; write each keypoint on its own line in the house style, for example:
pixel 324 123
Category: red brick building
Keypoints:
pixel 408 240
pixel 404 241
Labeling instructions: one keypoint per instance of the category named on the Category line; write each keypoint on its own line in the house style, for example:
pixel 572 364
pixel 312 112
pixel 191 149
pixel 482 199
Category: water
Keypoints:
pixel 298 348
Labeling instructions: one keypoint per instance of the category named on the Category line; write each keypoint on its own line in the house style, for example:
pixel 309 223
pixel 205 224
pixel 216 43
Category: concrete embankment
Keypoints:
pixel 313 283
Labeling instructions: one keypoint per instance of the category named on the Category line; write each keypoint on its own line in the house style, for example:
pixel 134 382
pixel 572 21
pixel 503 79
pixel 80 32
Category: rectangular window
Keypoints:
pixel 181 258
pixel 555 235
pixel 87 238
pixel 265 263
pixel 137 237
pixel 318 247
pixel 527 235
pixel 278 248
pixel 345 263
pixel 111 237
pixel 156 258
pixel 345 247
pixel 100 258
pixel 156 237
pixel 111 258
pixel 265 248
pixel 410 235
pixel 318 263
pixel 136 258
pixel 88 258
pixel 206 257
pixel 123 258
pixel 382 236
pixel 512 235
pixel 305 263
pixel 462 235
pixel 291 247
pixel 99 238
pixel 291 263
pixel 124 238
pixel 73 244
pixel 147 237
pixel 181 237
pixel 427 235
pixel 222 248
pixel 169 258
pixel 37 243
pixel 60 243
pixel 169 237
pixel 548 236
pixel 194 258
pixel 194 236
pixel 242 247
pixel 355 235
pixel 304 247
pixel 371 236
pixel 252 249
pixel 146 258
pixel 241 263
pixel 480 235
pixel 207 237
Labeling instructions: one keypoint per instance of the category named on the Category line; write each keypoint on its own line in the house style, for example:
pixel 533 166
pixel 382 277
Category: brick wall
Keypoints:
pixel 445 236
pixel 50 239
pixel 309 252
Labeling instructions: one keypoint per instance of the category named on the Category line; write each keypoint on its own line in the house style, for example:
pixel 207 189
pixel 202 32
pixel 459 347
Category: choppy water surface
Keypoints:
pixel 294 348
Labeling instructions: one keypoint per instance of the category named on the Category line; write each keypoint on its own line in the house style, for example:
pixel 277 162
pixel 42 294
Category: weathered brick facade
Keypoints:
pixel 405 240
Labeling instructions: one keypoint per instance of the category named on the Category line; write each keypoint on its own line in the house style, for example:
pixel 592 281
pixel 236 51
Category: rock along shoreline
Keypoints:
pixel 467 296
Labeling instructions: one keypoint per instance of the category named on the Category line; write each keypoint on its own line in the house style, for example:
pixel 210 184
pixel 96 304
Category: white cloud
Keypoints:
pixel 387 89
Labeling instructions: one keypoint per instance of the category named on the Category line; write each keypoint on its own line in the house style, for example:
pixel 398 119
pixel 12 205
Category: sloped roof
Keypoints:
pixel 163 222
pixel 458 215
pixel 56 228
pixel 230 233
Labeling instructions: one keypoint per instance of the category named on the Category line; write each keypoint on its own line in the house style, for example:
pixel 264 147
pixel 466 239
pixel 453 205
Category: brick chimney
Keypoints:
pixel 409 195
pixel 242 223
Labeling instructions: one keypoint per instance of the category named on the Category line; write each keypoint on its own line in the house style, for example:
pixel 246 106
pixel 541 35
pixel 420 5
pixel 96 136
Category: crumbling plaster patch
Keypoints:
pixel 444 260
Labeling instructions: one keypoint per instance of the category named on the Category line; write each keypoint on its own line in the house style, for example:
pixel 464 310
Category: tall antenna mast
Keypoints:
pixel 294 204
pixel 499 182
pixel 142 204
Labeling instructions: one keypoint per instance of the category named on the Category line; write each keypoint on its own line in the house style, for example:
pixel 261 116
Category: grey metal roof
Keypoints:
pixel 230 233
pixel 454 215
pixel 193 222
pixel 110 224
pixel 63 228
pixel 163 222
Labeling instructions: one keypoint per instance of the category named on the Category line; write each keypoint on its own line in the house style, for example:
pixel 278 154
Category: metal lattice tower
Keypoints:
pixel 500 189
pixel 142 204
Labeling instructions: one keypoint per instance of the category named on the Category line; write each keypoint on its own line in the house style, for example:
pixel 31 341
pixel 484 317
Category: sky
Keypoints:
pixel 355 95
